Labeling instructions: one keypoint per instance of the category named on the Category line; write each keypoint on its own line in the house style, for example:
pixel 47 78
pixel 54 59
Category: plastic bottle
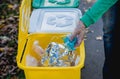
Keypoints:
pixel 31 61
pixel 37 48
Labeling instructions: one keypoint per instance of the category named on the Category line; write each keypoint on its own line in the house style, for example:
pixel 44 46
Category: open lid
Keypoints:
pixel 54 20
pixel 55 3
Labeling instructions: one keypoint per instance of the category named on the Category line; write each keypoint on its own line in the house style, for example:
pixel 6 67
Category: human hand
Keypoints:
pixel 78 33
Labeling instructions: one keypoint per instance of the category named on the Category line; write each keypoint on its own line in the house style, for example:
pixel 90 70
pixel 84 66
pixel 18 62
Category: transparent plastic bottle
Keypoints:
pixel 31 61
pixel 37 48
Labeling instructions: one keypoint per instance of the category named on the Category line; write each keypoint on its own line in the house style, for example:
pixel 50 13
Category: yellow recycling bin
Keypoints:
pixel 25 41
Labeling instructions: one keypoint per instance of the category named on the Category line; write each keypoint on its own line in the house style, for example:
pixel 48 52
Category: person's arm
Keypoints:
pixel 90 17
pixel 96 11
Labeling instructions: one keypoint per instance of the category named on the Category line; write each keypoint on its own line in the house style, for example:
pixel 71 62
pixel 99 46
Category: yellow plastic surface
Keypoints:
pixel 73 72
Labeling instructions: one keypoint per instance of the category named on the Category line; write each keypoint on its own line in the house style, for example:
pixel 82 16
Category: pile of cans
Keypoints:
pixel 54 55
pixel 58 55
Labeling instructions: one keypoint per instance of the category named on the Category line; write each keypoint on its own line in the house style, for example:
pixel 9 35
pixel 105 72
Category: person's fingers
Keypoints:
pixel 80 37
pixel 73 35
pixel 78 32
pixel 78 40
pixel 78 43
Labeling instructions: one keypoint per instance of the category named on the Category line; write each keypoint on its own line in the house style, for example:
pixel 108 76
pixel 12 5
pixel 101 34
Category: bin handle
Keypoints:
pixel 21 53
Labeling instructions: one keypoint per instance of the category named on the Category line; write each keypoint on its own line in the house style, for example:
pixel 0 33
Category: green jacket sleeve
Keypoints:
pixel 96 11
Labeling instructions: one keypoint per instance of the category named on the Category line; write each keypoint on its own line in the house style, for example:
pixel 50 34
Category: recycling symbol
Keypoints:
pixel 60 2
pixel 60 20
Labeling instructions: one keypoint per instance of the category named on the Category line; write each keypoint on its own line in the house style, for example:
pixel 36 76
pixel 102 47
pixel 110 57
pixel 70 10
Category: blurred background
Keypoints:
pixel 9 19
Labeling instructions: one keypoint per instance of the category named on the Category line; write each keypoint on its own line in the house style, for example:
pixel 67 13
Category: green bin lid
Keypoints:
pixel 55 3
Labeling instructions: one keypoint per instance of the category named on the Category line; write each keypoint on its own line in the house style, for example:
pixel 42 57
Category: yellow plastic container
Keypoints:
pixel 25 42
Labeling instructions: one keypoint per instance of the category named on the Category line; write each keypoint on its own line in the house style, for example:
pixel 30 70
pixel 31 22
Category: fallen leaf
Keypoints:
pixel 99 38
pixel 10 6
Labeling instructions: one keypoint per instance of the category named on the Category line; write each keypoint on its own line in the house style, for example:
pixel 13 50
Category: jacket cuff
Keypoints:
pixel 87 20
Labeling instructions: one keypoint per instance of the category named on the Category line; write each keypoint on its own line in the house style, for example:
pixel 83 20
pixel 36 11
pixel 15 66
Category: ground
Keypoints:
pixel 93 47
